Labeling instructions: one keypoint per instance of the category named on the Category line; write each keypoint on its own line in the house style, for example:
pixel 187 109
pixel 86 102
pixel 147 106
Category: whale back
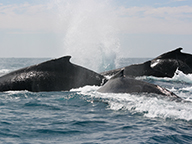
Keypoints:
pixel 170 61
pixel 164 65
pixel 121 84
pixel 53 75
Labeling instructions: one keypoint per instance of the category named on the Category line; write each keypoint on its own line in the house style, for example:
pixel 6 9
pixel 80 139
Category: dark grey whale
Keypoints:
pixel 121 84
pixel 164 65
pixel 54 75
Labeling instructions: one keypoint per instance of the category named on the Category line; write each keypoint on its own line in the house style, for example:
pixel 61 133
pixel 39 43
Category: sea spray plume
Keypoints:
pixel 91 33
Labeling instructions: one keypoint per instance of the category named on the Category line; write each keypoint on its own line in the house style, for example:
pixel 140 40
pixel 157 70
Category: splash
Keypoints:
pixel 4 71
pixel 90 35
pixel 152 107
pixel 178 76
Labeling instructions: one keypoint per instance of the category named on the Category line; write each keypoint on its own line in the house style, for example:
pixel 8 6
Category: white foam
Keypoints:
pixel 187 89
pixel 85 89
pixel 16 92
pixel 178 76
pixel 109 76
pixel 150 106
pixel 153 107
pixel 4 71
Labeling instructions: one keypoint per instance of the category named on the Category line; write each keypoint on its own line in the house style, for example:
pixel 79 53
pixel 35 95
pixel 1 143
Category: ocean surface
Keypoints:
pixel 85 116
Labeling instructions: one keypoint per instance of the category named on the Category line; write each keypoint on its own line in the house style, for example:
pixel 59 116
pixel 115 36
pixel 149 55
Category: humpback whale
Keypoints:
pixel 121 84
pixel 53 75
pixel 164 65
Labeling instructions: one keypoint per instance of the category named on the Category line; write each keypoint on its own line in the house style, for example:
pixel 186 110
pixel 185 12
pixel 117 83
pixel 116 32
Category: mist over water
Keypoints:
pixel 91 33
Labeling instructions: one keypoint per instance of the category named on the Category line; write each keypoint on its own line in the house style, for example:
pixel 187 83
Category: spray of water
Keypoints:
pixel 178 76
pixel 90 34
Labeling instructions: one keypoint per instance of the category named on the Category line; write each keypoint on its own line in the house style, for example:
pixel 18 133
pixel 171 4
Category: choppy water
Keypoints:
pixel 85 116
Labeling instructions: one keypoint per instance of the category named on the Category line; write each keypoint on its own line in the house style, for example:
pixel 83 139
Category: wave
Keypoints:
pixel 152 107
pixel 142 104
pixel 4 71
pixel 178 76
pixel 145 104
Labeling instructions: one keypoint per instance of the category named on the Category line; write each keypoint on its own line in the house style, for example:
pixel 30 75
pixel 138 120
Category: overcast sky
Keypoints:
pixel 129 28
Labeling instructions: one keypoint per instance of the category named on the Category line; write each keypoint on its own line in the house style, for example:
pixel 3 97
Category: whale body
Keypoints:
pixel 164 65
pixel 54 75
pixel 121 84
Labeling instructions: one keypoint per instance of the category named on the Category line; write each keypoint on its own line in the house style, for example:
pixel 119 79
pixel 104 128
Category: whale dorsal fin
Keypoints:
pixel 64 59
pixel 119 74
pixel 170 54
pixel 54 63
pixel 179 49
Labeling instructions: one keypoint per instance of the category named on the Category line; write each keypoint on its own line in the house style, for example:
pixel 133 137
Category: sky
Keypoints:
pixel 114 28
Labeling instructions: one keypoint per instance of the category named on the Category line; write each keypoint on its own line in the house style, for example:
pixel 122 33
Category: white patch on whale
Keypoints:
pixel 153 64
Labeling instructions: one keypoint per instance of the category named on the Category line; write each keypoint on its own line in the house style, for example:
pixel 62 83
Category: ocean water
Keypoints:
pixel 85 116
